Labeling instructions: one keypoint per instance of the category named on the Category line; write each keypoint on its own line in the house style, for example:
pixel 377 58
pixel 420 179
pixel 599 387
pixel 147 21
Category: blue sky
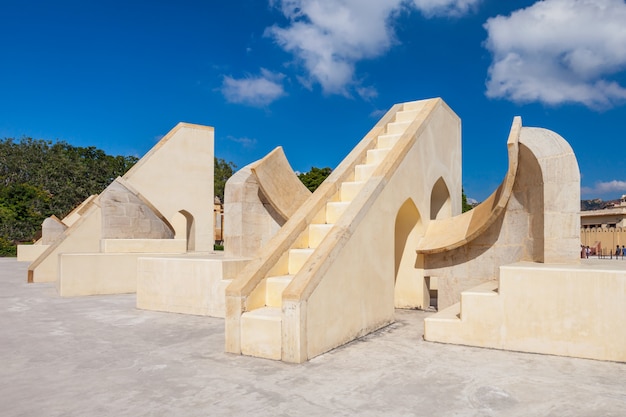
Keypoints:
pixel 315 75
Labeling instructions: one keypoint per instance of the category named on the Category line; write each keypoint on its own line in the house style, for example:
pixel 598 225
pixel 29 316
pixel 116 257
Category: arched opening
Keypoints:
pixel 440 204
pixel 410 289
pixel 184 228
pixel 529 191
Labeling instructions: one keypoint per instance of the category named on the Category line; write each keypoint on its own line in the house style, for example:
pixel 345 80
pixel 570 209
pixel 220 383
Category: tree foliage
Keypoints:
pixel 314 177
pixel 465 205
pixel 39 178
pixel 222 171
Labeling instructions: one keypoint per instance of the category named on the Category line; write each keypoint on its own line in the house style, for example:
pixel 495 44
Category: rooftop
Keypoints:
pixel 100 356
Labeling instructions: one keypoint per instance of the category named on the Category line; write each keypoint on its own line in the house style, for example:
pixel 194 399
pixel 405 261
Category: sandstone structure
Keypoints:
pixel 304 273
pixel 259 198
pixel 163 204
pixel 385 231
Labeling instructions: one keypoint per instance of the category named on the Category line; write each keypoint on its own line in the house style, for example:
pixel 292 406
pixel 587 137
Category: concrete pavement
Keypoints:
pixel 100 356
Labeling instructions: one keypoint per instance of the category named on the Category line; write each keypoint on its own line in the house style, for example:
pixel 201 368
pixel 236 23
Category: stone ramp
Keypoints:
pixel 328 277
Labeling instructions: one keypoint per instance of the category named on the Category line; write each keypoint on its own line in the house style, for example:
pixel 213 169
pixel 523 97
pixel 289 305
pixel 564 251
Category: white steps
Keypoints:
pixel 450 314
pixel 376 156
pixel 364 172
pixel 334 210
pixel 397 127
pixel 317 232
pixel 387 141
pixel 274 287
pixel 474 297
pixel 406 116
pixel 261 333
pixel 297 258
pixel 349 190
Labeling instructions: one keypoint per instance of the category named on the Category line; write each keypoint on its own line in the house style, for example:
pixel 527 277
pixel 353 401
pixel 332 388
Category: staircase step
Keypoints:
pixel 387 141
pixel 414 105
pixel 334 210
pixel 363 172
pixel 476 299
pixel 376 156
pixel 452 313
pixel 444 325
pixel 349 190
pixel 261 333
pixel 317 232
pixel 486 288
pixel 274 287
pixel 297 258
pixel 406 115
pixel 396 127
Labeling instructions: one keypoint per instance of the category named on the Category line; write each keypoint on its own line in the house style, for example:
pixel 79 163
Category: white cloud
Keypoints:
pixel 452 8
pixel 257 91
pixel 330 36
pixel 605 187
pixel 367 93
pixel 377 114
pixel 559 51
pixel 245 142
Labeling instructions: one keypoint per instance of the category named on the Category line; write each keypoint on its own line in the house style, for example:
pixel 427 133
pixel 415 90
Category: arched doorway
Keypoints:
pixel 184 228
pixel 440 204
pixel 410 289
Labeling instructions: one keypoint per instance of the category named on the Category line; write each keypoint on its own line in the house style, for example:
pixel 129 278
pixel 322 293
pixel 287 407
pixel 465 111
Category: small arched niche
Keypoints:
pixel 184 228
pixel 440 204
pixel 410 289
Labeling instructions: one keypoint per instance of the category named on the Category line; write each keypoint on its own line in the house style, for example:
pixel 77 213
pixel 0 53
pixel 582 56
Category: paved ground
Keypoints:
pixel 100 356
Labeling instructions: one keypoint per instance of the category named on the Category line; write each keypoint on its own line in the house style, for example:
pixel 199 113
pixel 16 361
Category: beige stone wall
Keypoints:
pixel 96 273
pixel 83 236
pixel 176 177
pixel 186 284
pixel 51 229
pixel 250 221
pixel 28 253
pixel 607 237
pixel 567 310
pixel 125 215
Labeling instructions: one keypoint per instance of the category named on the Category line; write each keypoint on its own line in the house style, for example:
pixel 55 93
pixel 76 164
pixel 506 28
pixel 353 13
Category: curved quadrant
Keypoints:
pixel 259 198
pixel 279 183
pixel 452 232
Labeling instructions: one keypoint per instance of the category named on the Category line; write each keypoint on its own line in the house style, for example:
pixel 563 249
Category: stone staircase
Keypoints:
pixel 476 306
pixel 261 328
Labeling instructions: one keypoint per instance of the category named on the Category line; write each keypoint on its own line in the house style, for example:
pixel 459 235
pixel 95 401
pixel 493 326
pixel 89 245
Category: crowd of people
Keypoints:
pixel 586 252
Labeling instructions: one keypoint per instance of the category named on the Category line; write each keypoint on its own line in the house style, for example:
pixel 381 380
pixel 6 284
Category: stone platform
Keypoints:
pixel 100 356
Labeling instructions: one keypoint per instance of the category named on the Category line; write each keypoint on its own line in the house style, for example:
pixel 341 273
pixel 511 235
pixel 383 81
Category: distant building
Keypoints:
pixel 604 229
pixel 609 217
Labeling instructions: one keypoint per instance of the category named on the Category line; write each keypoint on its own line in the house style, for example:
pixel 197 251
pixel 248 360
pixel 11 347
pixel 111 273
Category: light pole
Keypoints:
pixel 613 236
pixel 615 232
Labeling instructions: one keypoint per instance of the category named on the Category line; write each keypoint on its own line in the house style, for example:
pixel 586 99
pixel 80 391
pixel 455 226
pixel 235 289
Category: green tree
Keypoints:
pixel 23 207
pixel 39 178
pixel 222 171
pixel 465 205
pixel 314 177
